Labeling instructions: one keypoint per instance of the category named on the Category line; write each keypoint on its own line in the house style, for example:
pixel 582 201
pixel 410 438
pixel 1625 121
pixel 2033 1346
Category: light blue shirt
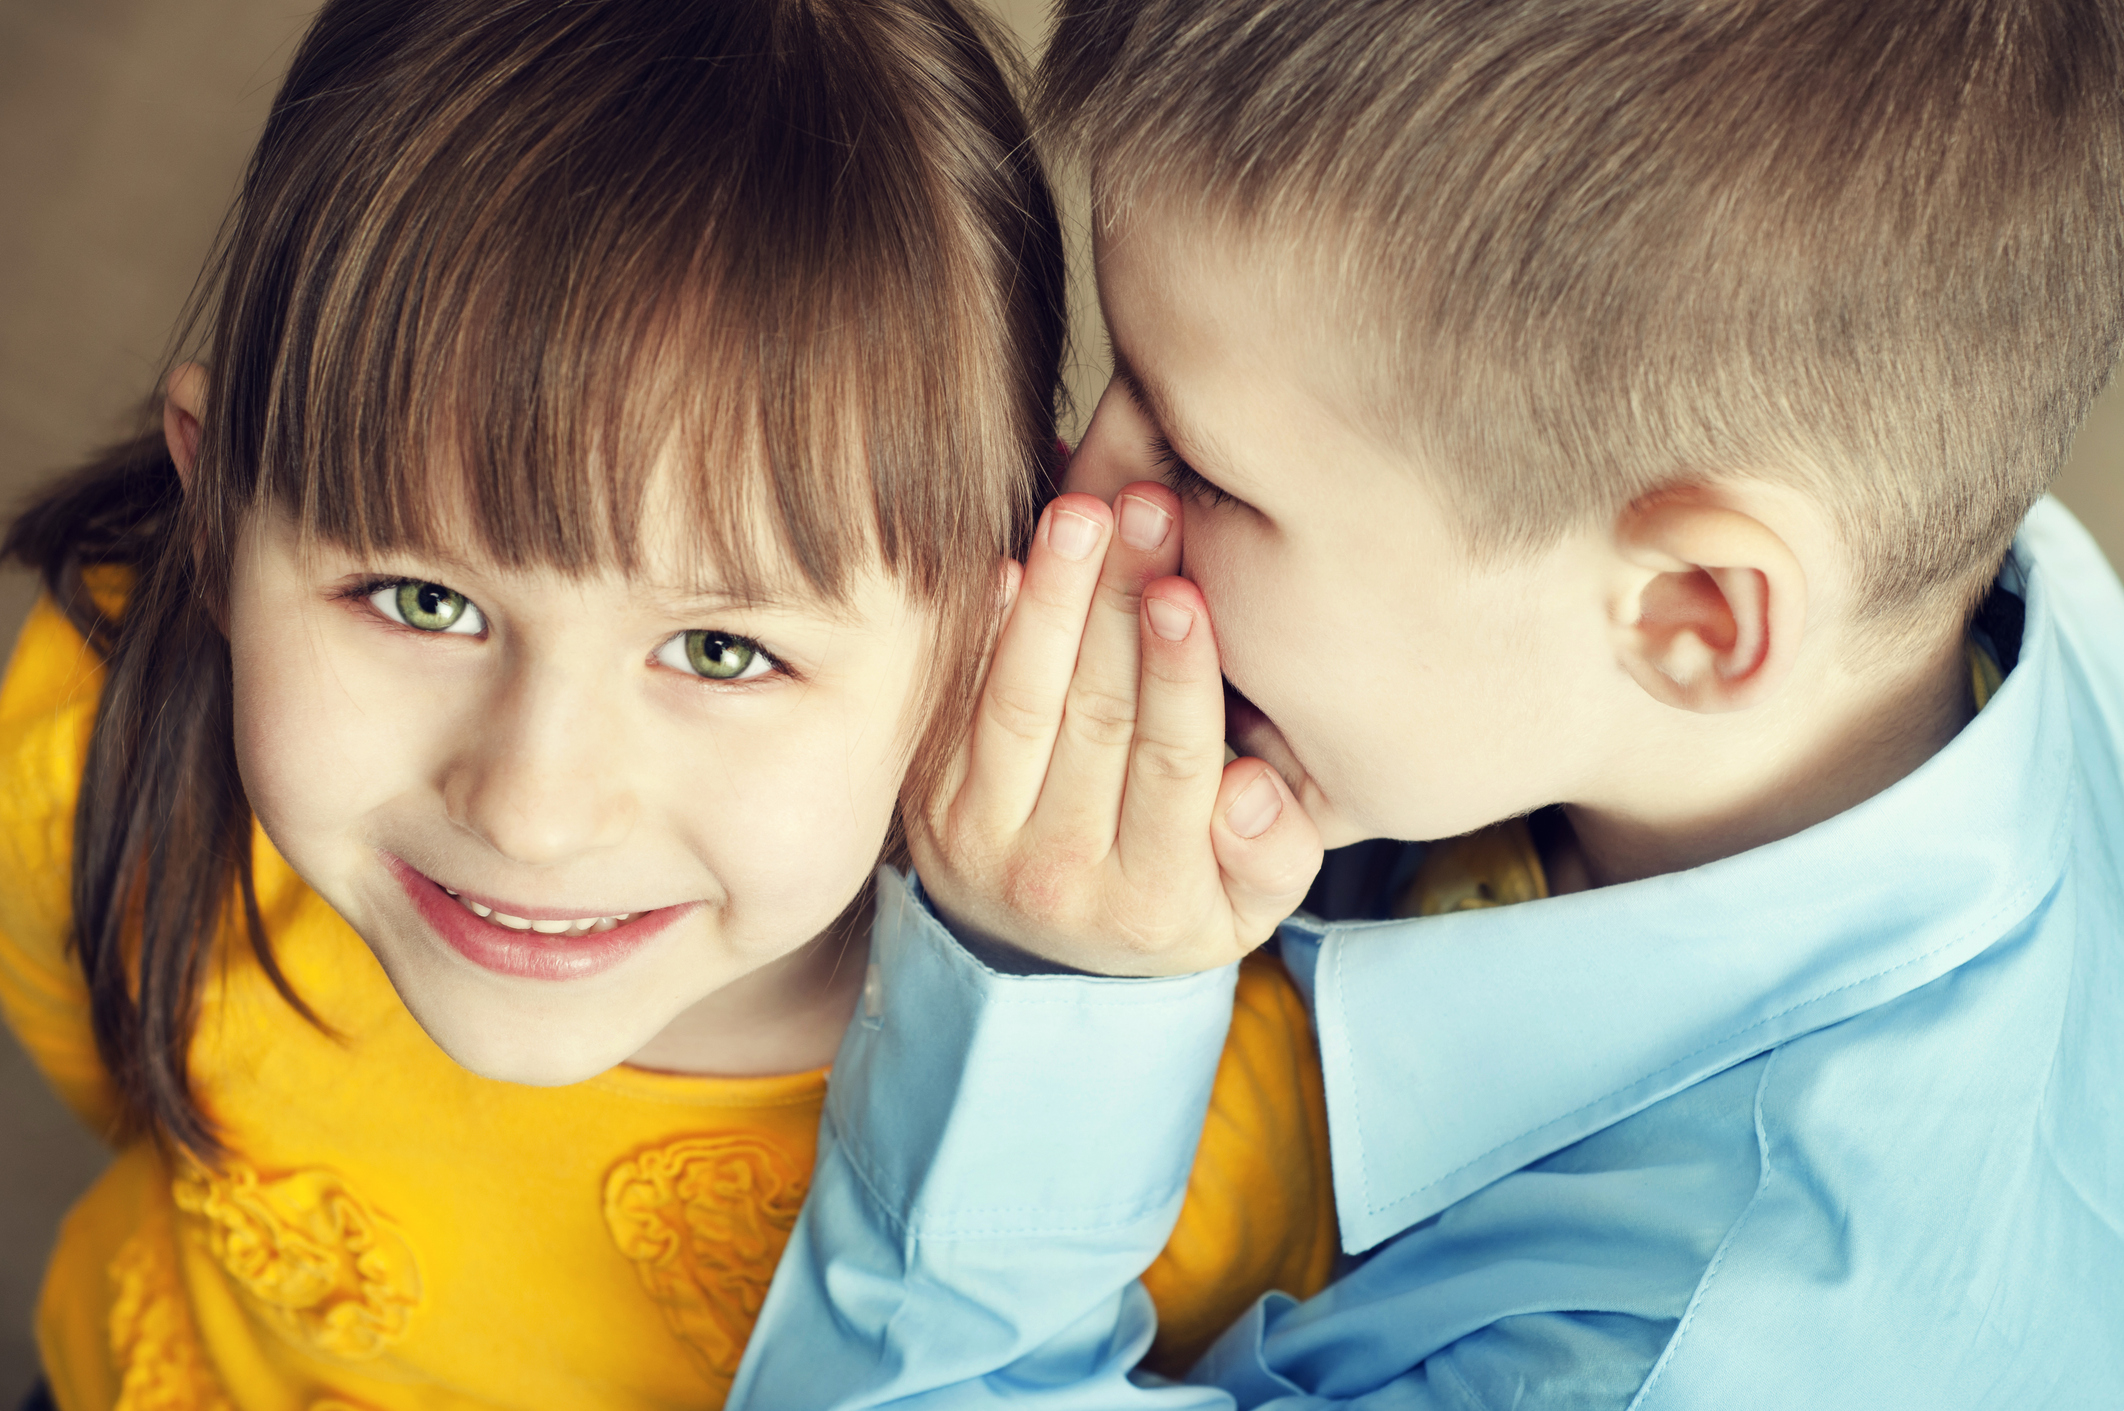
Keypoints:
pixel 1838 1122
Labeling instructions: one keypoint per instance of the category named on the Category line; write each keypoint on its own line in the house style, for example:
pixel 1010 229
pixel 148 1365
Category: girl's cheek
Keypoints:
pixel 796 805
pixel 323 731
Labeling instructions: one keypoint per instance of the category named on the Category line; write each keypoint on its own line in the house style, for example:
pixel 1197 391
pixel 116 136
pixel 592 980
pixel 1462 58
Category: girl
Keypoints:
pixel 580 529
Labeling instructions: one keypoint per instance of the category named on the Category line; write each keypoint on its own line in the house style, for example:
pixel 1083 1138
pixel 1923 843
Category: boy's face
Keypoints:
pixel 573 815
pixel 1403 690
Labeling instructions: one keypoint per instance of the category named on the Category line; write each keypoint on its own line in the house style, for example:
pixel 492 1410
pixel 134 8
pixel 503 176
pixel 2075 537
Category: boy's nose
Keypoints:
pixel 541 781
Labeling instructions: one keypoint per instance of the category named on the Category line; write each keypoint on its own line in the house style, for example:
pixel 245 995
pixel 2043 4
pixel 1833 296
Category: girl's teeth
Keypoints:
pixel 586 926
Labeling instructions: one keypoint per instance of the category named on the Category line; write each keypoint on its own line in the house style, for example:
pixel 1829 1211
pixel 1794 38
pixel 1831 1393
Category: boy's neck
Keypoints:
pixel 1732 789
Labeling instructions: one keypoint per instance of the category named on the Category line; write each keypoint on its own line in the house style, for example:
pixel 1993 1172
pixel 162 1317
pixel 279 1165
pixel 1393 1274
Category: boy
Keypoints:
pixel 1634 449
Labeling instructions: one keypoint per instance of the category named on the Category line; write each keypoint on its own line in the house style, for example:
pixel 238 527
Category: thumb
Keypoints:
pixel 1266 847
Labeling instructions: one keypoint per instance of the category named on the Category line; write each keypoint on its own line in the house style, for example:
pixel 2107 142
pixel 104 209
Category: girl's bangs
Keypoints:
pixel 513 321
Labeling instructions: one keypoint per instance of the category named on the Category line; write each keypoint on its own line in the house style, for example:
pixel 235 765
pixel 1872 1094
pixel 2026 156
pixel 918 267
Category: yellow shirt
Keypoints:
pixel 395 1232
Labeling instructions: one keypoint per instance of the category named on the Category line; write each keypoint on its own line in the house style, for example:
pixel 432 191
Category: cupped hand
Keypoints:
pixel 1090 819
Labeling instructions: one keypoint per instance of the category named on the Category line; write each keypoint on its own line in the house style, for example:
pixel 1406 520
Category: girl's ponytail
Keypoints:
pixel 162 830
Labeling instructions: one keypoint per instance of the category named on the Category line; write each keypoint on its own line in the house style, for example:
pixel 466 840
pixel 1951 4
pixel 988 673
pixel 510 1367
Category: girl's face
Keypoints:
pixel 579 819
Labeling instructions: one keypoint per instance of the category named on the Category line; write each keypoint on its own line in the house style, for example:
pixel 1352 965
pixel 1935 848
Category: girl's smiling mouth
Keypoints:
pixel 562 927
pixel 546 944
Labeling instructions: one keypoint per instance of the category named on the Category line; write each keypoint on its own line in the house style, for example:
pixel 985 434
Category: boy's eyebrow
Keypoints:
pixel 1152 396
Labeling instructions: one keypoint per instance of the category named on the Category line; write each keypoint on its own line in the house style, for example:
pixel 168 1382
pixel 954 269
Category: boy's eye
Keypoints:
pixel 429 607
pixel 1183 479
pixel 716 656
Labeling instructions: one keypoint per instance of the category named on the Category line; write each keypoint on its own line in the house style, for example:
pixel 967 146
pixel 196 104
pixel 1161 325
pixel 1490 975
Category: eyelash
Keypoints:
pixel 367 588
pixel 1183 479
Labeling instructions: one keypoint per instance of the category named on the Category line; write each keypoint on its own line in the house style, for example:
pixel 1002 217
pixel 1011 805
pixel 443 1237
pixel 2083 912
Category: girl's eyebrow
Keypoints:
pixel 698 598
pixel 678 599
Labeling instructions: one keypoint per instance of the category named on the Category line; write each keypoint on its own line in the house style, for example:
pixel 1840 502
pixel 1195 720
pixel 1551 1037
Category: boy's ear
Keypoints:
pixel 183 403
pixel 1710 604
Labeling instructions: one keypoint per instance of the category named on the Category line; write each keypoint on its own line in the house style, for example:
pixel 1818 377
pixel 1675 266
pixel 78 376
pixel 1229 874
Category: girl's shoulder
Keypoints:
pixel 47 710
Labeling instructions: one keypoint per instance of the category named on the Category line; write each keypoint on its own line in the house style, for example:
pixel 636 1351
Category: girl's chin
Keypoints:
pixel 486 1035
pixel 541 1069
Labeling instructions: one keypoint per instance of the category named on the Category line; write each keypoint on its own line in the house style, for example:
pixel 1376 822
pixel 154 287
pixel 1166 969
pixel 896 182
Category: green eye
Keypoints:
pixel 430 606
pixel 720 656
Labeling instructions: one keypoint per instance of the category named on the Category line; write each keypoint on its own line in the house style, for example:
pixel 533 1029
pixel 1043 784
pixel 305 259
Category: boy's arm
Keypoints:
pixel 1000 1158
pixel 1003 1154
pixel 996 1170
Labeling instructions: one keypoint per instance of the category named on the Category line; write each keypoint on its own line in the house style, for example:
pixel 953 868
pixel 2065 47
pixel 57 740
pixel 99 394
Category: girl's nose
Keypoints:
pixel 542 779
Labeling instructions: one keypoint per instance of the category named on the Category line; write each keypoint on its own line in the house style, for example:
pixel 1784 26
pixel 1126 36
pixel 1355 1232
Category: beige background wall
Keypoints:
pixel 123 128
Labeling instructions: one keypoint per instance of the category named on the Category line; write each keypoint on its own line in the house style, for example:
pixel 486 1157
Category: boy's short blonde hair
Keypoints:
pixel 1590 249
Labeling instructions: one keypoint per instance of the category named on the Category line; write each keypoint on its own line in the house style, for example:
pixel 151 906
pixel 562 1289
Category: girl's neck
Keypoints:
pixel 785 1017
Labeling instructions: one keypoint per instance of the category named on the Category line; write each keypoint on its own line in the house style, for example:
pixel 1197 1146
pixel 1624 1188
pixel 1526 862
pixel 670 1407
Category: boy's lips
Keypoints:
pixel 1250 732
pixel 537 943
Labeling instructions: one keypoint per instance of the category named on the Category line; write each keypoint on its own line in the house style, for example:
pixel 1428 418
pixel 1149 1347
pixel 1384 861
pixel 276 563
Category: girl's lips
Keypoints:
pixel 527 954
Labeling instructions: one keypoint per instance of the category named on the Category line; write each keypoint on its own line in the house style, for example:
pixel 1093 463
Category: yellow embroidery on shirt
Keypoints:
pixel 704 1219
pixel 153 1344
pixel 329 1271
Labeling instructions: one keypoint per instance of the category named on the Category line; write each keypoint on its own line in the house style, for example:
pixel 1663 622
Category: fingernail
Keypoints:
pixel 1143 525
pixel 1072 535
pixel 1169 620
pixel 1255 809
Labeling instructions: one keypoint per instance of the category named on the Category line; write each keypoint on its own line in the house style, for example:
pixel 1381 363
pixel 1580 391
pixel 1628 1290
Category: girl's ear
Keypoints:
pixel 183 402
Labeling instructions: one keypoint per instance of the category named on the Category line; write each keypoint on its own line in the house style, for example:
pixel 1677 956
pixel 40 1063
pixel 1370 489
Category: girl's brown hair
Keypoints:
pixel 510 255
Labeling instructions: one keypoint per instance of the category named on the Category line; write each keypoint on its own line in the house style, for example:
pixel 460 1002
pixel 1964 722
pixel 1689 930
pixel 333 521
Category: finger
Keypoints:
pixel 1267 848
pixel 1177 757
pixel 1085 782
pixel 1028 678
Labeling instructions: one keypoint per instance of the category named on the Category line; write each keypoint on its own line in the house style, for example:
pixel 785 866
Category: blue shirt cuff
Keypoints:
pixel 976 1104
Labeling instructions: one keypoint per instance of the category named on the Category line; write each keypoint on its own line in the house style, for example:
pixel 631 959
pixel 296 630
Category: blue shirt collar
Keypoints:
pixel 1459 1048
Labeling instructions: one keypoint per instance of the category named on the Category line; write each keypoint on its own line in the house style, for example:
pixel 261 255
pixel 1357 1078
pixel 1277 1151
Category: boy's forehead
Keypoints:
pixel 1202 324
